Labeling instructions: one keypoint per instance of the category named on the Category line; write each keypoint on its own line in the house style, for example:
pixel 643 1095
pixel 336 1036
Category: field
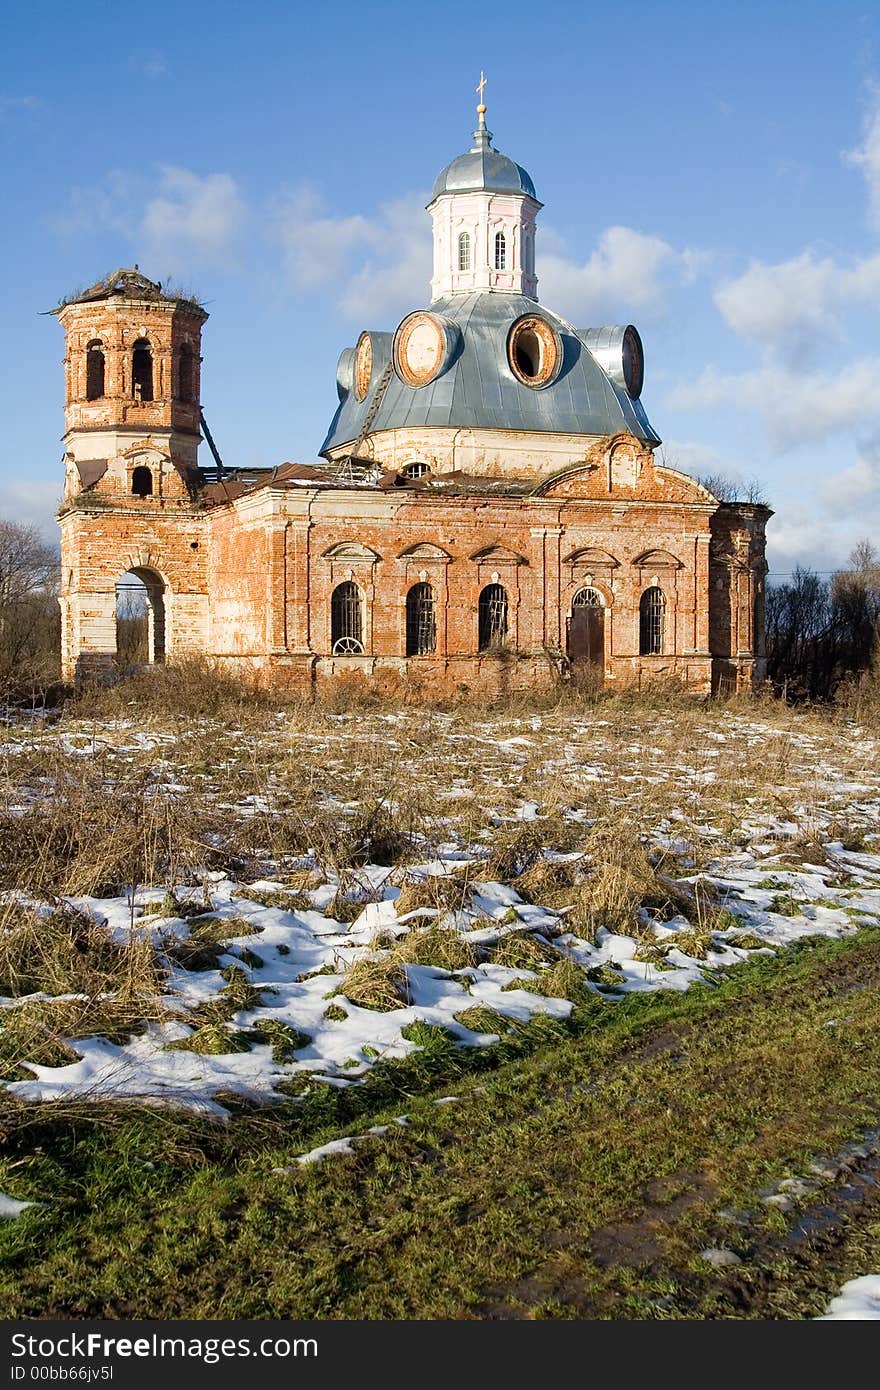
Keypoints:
pixel 376 1012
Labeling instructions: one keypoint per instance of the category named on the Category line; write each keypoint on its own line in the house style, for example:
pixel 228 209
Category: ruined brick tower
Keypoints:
pixel 132 376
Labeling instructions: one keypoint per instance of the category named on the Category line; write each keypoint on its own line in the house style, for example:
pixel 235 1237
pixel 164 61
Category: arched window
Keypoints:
pixel 587 598
pixel 416 470
pixel 652 612
pixel 492 617
pixel 346 624
pixel 500 251
pixel 421 625
pixel 464 251
pixel 95 370
pixel 185 373
pixel 142 371
pixel 142 481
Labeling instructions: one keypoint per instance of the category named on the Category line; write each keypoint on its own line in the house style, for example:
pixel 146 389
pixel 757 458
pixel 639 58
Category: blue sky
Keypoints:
pixel 711 174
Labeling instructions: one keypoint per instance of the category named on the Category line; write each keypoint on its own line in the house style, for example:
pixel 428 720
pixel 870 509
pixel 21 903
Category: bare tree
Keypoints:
pixel 821 633
pixel 728 489
pixel 29 623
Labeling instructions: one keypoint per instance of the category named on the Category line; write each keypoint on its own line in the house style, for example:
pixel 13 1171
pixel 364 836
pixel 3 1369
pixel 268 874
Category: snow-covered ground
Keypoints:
pixel 690 800
pixel 858 1300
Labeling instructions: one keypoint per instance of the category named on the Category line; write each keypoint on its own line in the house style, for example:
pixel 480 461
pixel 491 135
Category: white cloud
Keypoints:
pixel 796 407
pixel 628 270
pixel 377 266
pixel 788 306
pixel 857 486
pixel 867 156
pixel 193 218
pixel 317 247
pixel 31 504
pixel 397 277
pixel 177 221
pixel 800 534
pixel 689 456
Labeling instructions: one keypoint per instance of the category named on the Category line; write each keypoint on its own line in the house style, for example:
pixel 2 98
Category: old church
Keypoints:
pixel 489 516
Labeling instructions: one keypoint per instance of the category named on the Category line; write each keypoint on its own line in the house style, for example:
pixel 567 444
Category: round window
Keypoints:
pixel 534 351
pixel 363 365
pixel 423 347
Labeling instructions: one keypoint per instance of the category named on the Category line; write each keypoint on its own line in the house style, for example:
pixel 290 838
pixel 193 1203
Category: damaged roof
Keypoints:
pixel 237 482
pixel 129 283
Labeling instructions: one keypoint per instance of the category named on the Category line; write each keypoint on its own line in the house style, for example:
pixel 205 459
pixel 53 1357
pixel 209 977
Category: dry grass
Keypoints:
pixel 520 951
pixel 191 688
pixel 67 952
pixel 376 983
pixel 441 892
pixel 183 771
pixel 96 836
pixel 433 945
pixel 545 879
pixel 564 980
pixel 212 1039
pixel 481 1019
pixel 116 987
pixel 518 849
pixel 37 1031
pixel 206 942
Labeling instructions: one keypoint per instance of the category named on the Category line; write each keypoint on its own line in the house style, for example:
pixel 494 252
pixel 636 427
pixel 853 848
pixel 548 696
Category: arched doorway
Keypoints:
pixel 140 618
pixel 586 636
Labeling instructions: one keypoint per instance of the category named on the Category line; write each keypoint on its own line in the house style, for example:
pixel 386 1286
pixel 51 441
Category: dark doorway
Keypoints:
pixel 586 636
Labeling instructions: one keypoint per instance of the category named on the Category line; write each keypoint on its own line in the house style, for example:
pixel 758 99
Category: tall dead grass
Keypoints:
pixel 237 783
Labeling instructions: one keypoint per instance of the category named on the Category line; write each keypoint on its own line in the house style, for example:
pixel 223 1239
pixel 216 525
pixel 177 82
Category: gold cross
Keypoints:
pixel 480 85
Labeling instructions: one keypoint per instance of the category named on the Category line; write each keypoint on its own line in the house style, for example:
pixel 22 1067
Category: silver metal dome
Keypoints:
pixel 477 389
pixel 483 168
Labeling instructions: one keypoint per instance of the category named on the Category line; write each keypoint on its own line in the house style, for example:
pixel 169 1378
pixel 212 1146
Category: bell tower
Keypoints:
pixel 132 386
pixel 129 519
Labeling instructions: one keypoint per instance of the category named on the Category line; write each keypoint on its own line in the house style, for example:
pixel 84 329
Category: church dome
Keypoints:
pixel 500 362
pixel 483 169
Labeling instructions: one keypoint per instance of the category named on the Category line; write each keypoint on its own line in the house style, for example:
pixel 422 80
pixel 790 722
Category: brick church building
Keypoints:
pixel 489 514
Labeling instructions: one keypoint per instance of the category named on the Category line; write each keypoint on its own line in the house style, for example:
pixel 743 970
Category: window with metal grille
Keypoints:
pixel 500 251
pixel 587 598
pixel 421 625
pixel 142 371
pixel 464 251
pixel 416 470
pixel 94 371
pixel 346 627
pixel 492 617
pixel 652 611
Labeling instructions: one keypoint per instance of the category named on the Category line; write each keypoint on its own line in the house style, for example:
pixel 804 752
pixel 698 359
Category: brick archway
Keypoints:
pixel 140 617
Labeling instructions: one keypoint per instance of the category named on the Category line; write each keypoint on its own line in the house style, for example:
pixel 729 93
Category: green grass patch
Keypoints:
pixel 584 1168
